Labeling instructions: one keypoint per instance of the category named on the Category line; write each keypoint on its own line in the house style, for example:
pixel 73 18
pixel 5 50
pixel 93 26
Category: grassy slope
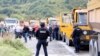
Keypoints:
pixel 13 48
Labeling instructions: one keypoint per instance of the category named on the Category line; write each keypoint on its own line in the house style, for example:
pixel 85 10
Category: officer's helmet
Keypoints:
pixel 42 24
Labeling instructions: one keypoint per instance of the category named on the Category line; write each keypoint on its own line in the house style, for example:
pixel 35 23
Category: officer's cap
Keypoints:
pixel 42 24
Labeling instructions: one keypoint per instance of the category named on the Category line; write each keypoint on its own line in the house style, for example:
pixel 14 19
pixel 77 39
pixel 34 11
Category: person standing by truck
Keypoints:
pixel 55 31
pixel 50 30
pixel 76 38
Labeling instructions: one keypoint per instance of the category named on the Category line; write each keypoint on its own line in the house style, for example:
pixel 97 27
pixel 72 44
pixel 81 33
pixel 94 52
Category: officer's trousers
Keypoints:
pixel 76 41
pixel 55 35
pixel 39 44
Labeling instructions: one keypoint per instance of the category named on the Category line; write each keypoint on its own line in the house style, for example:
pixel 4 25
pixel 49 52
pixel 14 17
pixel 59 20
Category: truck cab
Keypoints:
pixel 52 21
pixel 80 17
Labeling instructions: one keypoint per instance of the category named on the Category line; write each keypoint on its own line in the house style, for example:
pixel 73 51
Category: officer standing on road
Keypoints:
pixel 76 37
pixel 50 30
pixel 42 35
pixel 56 32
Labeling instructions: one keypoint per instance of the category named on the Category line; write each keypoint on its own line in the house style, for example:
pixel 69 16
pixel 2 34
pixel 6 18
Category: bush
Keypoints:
pixel 14 43
pixel 13 48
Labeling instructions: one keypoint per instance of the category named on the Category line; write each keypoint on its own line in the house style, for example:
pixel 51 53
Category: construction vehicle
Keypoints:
pixel 93 7
pixel 52 21
pixel 66 28
pixel 79 16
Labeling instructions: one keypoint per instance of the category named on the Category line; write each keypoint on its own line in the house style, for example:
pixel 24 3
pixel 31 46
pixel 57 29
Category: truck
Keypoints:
pixel 93 7
pixel 52 21
pixel 11 23
pixel 68 20
pixel 66 28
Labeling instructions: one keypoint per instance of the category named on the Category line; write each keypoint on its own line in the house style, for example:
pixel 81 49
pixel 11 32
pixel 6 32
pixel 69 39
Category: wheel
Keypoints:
pixel 60 37
pixel 63 38
pixel 69 42
pixel 91 47
pixel 95 49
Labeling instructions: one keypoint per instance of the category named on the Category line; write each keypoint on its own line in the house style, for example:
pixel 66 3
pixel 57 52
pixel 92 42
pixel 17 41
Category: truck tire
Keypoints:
pixel 60 37
pixel 95 48
pixel 64 38
pixel 69 42
pixel 91 47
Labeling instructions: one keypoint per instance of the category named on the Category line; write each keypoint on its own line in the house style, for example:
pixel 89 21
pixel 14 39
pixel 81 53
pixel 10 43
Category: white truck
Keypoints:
pixel 93 7
pixel 11 23
pixel 53 21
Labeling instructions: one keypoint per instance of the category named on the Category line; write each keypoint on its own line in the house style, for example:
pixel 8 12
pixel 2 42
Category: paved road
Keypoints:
pixel 55 48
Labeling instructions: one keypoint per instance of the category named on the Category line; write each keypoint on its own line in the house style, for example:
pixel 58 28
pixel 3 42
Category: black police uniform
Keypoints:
pixel 42 35
pixel 76 38
pixel 56 33
pixel 50 30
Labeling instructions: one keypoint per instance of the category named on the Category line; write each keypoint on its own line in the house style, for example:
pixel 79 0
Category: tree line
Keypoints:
pixel 30 9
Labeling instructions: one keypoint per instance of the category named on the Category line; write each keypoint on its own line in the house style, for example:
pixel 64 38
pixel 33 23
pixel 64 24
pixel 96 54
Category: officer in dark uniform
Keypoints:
pixel 42 35
pixel 50 30
pixel 76 37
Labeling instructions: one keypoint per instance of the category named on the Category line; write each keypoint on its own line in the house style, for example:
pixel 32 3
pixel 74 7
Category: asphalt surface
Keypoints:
pixel 55 48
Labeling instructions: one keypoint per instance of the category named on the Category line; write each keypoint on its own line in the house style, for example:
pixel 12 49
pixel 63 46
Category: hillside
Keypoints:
pixel 31 9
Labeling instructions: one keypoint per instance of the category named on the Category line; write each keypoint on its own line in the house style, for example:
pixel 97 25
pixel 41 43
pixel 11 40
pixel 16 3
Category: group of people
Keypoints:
pixel 42 36
pixel 3 30
pixel 25 31
pixel 41 33
pixel 54 32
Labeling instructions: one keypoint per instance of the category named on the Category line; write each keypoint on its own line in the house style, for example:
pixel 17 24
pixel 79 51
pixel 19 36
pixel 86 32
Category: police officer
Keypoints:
pixel 76 37
pixel 56 32
pixel 42 35
pixel 50 30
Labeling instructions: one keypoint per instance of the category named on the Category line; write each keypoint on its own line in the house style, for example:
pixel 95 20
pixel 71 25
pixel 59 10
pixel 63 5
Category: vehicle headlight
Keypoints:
pixel 85 32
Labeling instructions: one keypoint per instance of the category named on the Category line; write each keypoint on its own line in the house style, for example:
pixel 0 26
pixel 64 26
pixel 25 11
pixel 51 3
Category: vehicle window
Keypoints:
pixel 52 22
pixel 82 18
pixel 10 21
pixel 66 19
